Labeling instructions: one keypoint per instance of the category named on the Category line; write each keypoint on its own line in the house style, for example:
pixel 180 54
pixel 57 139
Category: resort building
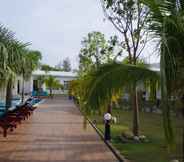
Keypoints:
pixel 32 84
pixel 63 77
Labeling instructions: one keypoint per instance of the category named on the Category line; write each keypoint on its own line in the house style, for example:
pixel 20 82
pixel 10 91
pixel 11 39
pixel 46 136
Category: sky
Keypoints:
pixel 55 27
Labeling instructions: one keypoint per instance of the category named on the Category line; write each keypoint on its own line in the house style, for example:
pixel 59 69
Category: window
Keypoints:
pixel 66 85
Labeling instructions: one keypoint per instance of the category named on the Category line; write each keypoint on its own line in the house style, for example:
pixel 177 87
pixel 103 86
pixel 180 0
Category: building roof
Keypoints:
pixel 154 67
pixel 55 73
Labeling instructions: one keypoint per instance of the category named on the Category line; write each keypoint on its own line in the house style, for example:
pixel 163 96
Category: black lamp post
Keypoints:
pixel 107 119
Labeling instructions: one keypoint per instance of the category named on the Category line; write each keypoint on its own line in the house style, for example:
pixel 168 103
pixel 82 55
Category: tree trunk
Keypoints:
pixel 167 123
pixel 183 134
pixel 22 94
pixel 135 106
pixel 183 144
pixel 135 101
pixel 8 94
pixel 109 109
pixel 51 96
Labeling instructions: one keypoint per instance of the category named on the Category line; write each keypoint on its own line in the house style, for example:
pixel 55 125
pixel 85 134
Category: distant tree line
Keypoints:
pixel 64 65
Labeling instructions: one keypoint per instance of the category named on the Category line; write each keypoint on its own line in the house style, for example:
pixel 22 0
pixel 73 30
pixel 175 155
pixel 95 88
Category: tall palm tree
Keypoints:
pixel 3 64
pixel 9 62
pixel 167 26
pixel 15 60
pixel 30 62
pixel 6 37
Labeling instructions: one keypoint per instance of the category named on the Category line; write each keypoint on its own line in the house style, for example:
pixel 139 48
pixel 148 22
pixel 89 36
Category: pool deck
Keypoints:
pixel 54 133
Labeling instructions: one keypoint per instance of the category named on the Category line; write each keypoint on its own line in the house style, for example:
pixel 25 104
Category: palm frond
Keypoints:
pixel 168 24
pixel 111 78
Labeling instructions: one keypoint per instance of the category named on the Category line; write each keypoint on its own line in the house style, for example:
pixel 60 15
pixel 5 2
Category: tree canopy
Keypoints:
pixel 96 50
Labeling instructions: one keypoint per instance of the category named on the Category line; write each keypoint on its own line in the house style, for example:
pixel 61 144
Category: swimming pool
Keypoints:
pixel 14 103
pixel 17 101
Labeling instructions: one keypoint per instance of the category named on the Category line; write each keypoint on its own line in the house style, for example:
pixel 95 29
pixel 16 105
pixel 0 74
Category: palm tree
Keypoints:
pixel 110 79
pixel 3 64
pixel 5 37
pixel 167 26
pixel 4 69
pixel 10 64
pixel 15 60
pixel 52 83
pixel 30 62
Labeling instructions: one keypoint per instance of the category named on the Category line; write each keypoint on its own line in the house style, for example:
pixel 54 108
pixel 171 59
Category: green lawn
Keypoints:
pixel 151 127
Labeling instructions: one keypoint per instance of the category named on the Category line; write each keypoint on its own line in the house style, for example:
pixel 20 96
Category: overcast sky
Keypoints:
pixel 55 27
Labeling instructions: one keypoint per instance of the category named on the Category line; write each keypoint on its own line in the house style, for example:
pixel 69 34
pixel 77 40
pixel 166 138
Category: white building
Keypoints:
pixel 63 77
pixel 32 84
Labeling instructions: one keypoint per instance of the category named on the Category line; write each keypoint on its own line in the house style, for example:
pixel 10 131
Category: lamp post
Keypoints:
pixel 107 119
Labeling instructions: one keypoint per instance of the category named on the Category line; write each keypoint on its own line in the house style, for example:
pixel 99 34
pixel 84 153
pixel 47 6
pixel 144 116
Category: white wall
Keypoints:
pixel 28 86
pixel 14 90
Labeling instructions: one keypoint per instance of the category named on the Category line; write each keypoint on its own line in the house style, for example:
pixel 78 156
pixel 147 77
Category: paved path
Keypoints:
pixel 54 134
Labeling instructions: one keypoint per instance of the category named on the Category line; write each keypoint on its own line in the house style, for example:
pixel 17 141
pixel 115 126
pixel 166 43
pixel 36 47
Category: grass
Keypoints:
pixel 151 126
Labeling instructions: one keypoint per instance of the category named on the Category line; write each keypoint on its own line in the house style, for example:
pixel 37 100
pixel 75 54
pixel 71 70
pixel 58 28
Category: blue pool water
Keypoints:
pixel 34 101
pixel 2 109
pixel 43 93
pixel 15 102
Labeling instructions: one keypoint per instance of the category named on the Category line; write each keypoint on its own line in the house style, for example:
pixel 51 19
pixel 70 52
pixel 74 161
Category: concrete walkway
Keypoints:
pixel 54 134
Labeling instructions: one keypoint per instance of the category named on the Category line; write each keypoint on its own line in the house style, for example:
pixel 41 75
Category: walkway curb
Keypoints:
pixel 116 153
pixel 109 145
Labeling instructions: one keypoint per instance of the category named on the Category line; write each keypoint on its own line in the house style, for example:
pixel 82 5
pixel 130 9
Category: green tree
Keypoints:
pixel 41 81
pixel 13 62
pixel 130 18
pixel 48 68
pixel 4 70
pixel 30 62
pixel 96 51
pixel 167 25
pixel 52 83
pixel 6 37
pixel 113 77
pixel 66 65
